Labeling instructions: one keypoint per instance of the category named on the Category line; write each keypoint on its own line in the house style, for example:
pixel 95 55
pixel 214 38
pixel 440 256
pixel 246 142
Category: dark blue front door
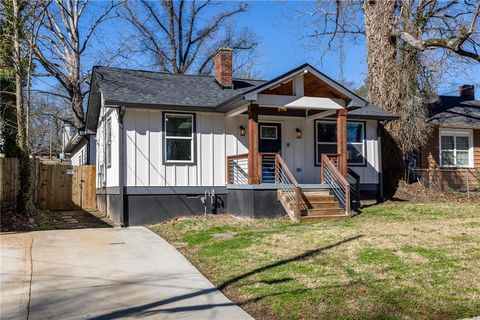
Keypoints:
pixel 270 140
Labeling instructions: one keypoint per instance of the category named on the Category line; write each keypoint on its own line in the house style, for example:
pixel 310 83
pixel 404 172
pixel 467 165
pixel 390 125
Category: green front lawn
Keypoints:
pixel 394 261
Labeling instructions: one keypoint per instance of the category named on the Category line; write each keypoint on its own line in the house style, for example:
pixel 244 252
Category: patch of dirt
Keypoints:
pixel 11 220
pixel 417 193
pixel 79 220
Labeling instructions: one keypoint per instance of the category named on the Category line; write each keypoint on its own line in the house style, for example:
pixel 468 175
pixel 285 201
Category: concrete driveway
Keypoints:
pixel 104 274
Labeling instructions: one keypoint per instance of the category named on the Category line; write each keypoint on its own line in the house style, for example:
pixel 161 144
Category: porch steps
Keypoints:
pixel 320 204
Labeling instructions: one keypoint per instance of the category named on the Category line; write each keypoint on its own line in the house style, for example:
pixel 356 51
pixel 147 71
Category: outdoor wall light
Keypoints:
pixel 242 131
pixel 299 133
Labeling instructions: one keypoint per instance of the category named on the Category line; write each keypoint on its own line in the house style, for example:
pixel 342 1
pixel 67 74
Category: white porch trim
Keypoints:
pixel 271 100
pixel 237 111
pixel 321 115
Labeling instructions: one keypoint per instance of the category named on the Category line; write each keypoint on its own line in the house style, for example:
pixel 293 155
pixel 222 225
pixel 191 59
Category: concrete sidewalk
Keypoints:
pixel 104 274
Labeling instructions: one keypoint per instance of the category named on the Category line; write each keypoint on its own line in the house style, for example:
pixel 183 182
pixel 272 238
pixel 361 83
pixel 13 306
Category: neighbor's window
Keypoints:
pixel 456 149
pixel 326 141
pixel 109 142
pixel 178 137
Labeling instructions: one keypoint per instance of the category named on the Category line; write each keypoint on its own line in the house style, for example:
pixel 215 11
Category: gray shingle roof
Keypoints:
pixel 123 86
pixel 455 111
pixel 126 87
pixel 371 111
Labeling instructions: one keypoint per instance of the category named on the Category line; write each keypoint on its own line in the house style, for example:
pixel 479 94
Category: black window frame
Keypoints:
pixel 164 139
pixel 317 162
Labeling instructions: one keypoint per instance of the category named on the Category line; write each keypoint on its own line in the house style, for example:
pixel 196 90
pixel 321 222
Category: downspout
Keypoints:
pixel 88 149
pixel 123 212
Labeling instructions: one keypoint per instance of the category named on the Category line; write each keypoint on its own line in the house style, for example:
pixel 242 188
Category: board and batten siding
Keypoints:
pixel 299 154
pixel 111 172
pixel 215 138
pixel 218 136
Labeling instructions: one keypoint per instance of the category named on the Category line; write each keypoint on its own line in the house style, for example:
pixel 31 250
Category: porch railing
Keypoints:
pixel 237 169
pixel 336 181
pixel 354 180
pixel 289 187
pixel 266 168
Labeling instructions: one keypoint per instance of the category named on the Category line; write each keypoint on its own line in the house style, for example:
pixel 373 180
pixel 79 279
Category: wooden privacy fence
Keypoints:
pixel 55 186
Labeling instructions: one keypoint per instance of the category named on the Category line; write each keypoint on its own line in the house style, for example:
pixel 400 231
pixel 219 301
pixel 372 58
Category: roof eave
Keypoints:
pixel 373 117
pixel 115 103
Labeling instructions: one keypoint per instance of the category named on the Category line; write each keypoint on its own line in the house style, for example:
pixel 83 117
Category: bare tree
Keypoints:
pixel 17 13
pixel 62 44
pixel 401 37
pixel 183 36
pixel 48 116
pixel 406 42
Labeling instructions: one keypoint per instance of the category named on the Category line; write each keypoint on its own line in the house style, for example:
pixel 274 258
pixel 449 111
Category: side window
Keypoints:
pixel 109 143
pixel 179 138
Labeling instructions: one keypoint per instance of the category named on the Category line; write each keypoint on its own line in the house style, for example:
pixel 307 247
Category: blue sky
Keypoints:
pixel 280 47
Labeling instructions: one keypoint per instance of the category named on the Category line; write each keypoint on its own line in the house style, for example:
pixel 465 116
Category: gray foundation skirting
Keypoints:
pixel 150 205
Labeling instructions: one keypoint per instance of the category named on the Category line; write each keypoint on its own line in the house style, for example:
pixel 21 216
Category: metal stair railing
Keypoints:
pixel 289 187
pixel 337 183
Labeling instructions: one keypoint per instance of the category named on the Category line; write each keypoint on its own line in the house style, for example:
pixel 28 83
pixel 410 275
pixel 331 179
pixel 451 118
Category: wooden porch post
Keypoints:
pixel 253 144
pixel 342 141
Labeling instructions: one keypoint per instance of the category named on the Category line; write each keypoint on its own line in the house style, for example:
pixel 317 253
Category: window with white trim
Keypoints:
pixel 268 132
pixel 109 143
pixel 456 148
pixel 326 140
pixel 179 137
pixel 100 157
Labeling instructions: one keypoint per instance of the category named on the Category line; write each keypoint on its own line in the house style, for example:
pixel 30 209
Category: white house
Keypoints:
pixel 264 148
pixel 77 146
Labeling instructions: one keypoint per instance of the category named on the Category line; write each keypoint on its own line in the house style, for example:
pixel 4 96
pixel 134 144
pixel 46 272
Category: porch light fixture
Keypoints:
pixel 242 131
pixel 299 133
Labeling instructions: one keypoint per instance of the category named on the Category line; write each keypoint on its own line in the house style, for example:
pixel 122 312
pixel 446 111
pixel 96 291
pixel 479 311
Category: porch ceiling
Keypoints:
pixel 299 102
pixel 296 105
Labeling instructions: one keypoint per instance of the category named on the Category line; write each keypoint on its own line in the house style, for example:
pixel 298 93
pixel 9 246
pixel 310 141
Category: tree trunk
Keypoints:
pixel 381 54
pixel 24 203
pixel 384 82
pixel 77 105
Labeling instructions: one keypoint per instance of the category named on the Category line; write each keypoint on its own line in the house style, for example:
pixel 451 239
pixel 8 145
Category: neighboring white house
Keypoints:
pixel 165 141
pixel 77 146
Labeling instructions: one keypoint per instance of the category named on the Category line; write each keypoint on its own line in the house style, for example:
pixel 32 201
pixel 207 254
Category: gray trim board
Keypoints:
pixel 173 190
pixel 270 186
pixel 108 190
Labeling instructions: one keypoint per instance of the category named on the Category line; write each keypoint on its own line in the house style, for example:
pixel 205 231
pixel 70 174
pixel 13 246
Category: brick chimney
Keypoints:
pixel 467 91
pixel 223 67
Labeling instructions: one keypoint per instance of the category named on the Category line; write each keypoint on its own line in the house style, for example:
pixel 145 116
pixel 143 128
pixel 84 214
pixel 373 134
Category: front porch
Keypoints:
pixel 263 170
pixel 299 145
pixel 334 197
